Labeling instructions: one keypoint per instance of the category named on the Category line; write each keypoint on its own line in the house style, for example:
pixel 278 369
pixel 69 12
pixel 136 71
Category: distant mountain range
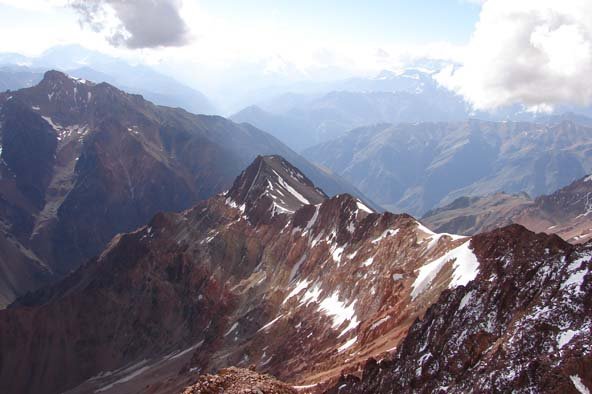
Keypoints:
pixel 329 111
pixel 18 72
pixel 81 162
pixel 417 167
pixel 566 212
pixel 302 121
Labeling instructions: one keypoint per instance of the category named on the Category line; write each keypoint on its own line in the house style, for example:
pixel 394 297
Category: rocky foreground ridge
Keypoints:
pixel 238 381
pixel 523 325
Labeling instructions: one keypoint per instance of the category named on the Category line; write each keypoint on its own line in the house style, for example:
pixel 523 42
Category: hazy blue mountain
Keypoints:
pixel 315 113
pixel 303 120
pixel 18 77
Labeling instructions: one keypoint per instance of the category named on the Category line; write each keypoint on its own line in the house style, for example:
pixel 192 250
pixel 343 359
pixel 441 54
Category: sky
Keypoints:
pixel 375 23
pixel 498 52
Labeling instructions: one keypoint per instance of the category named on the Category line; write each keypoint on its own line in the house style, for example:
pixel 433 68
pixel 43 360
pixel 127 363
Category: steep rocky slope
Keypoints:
pixel 272 274
pixel 523 325
pixel 566 212
pixel 416 167
pixel 80 162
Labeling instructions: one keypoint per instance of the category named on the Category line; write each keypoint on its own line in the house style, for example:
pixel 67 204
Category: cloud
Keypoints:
pixel 532 52
pixel 135 23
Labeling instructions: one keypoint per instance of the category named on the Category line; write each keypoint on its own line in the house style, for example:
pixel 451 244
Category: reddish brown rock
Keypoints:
pixel 566 212
pixel 238 381
pixel 523 325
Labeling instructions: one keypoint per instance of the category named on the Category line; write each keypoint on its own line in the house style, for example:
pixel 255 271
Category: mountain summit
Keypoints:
pixel 273 186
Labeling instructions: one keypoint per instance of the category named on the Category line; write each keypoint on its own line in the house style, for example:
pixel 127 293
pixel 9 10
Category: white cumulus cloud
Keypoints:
pixel 532 52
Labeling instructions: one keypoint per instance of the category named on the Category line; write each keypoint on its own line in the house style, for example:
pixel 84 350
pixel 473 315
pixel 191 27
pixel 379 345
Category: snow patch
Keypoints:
pixel 368 262
pixel 265 327
pixel 291 190
pixel 347 344
pixel 466 267
pixel 577 274
pixel 336 253
pixel 301 285
pixel 339 311
pixel 234 326
pixel 565 337
pixel 363 207
pixel 312 220
pixel 465 300
pixel 352 255
pixel 577 381
pixel 386 233
pixel 53 125
pixel 424 229
pixel 311 295
pixel 436 237
pixel 304 387
pixel 379 322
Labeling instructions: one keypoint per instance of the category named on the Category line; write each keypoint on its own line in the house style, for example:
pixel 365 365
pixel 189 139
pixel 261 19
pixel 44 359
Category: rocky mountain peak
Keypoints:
pixel 272 186
pixel 60 97
pixel 56 81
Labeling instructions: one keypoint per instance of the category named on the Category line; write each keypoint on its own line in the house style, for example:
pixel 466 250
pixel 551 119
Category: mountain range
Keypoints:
pixel 417 167
pixel 304 120
pixel 81 162
pixel 565 212
pixel 274 275
pixel 319 114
